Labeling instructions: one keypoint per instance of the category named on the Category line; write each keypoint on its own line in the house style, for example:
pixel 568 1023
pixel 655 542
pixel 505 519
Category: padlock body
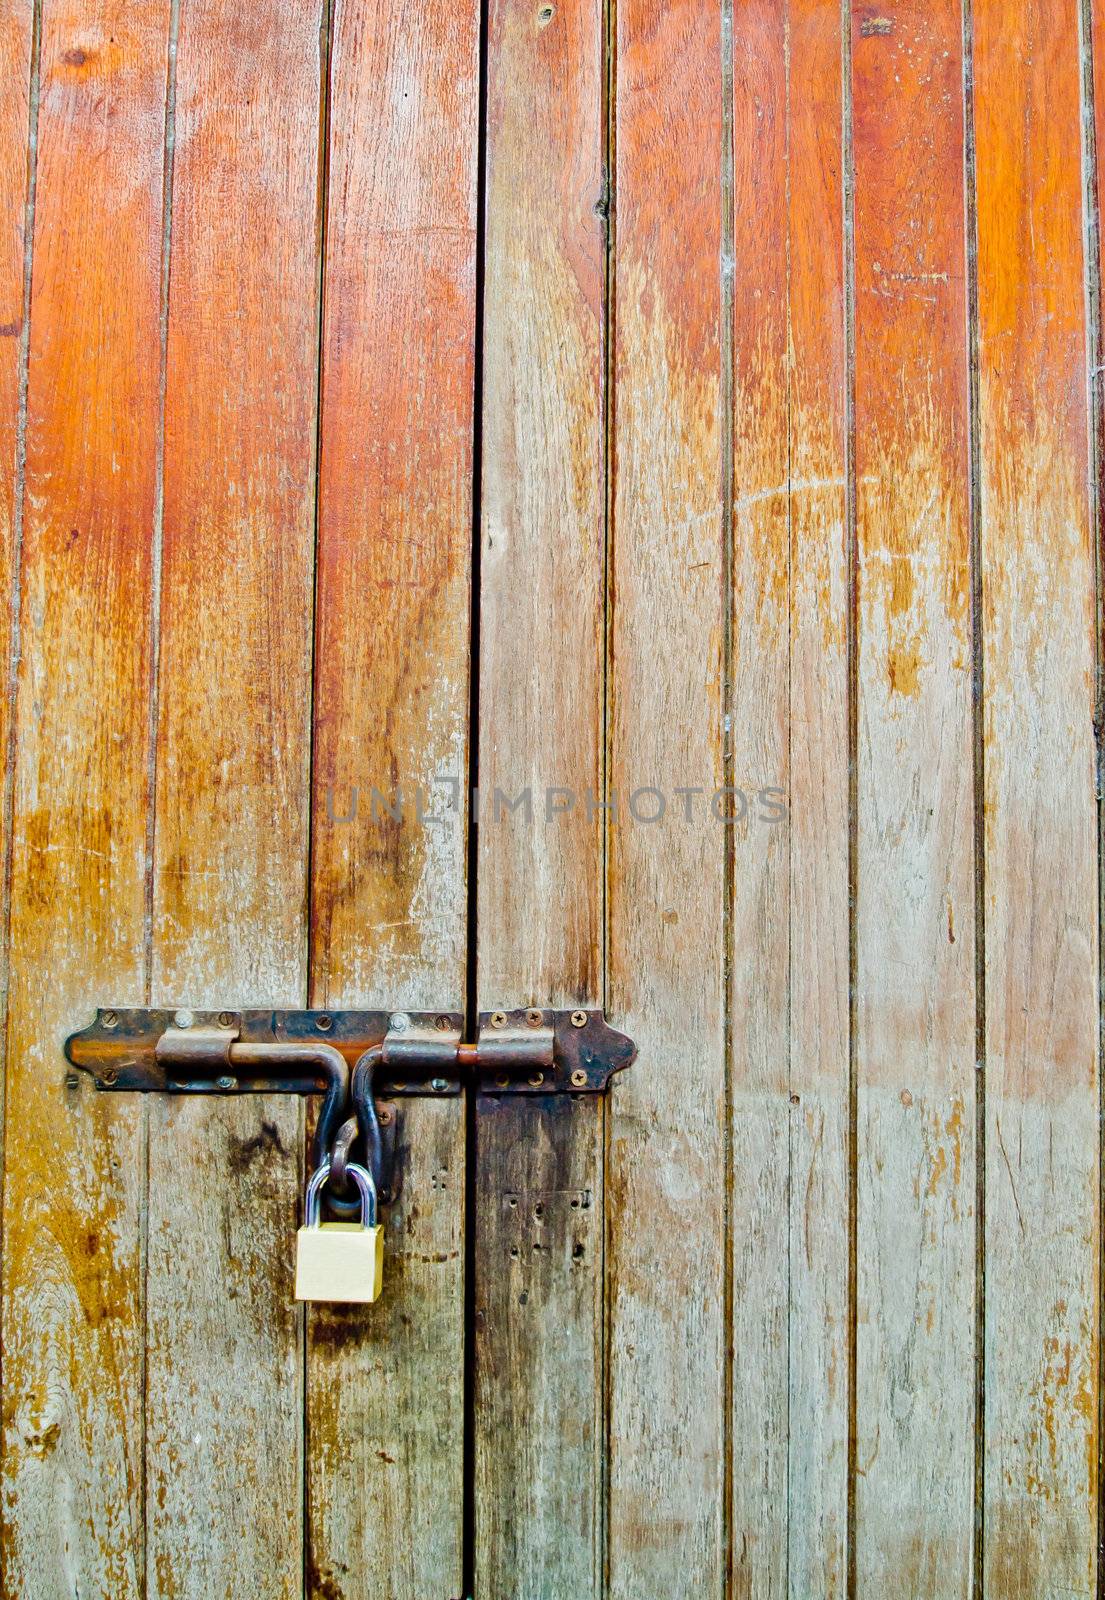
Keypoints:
pixel 339 1261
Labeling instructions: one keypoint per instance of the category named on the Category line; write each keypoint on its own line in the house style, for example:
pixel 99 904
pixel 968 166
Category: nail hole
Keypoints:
pixel 545 15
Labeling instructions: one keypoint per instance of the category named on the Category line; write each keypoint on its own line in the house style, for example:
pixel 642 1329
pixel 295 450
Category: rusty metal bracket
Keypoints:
pixel 173 1051
pixel 362 1063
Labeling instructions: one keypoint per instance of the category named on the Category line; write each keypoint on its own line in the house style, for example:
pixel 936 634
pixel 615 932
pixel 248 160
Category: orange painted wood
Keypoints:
pixel 915 957
pixel 539 1183
pixel 1043 1227
pixel 385 1401
pixel 818 1332
pixel 74 1176
pixel 16 29
pixel 225 1369
pixel 666 1177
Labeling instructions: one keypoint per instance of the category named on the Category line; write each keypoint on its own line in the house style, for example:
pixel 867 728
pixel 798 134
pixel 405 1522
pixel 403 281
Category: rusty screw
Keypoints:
pixel 498 1019
pixel 579 1079
pixel 110 1076
pixel 226 1019
pixel 534 1018
pixel 536 1079
pixel 384 1116
pixel 442 1024
pixel 579 1019
pixel 324 1023
pixel 109 1019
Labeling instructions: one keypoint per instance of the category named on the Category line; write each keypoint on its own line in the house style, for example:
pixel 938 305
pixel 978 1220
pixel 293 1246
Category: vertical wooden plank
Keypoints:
pixel 16 129
pixel 915 1021
pixel 817 1407
pixel 385 1402
pixel 759 977
pixel 225 1381
pixel 1043 1234
pixel 538 1262
pixel 666 1164
pixel 72 1327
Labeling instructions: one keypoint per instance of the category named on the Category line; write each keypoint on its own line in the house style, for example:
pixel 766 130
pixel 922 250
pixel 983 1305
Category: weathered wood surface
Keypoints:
pixel 1043 1232
pixel 914 885
pixel 756 671
pixel 16 195
pixel 667 1182
pixel 538 1439
pixel 224 1382
pixel 817 781
pixel 750 517
pixel 73 1332
pixel 385 1386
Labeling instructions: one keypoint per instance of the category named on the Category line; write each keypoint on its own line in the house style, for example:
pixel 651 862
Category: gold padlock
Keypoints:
pixel 340 1261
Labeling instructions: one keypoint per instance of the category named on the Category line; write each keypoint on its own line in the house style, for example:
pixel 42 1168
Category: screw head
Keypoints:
pixel 110 1076
pixel 442 1024
pixel 109 1019
pixel 536 1079
pixel 535 1018
pixel 400 1022
pixel 502 1081
pixel 324 1023
pixel 579 1079
pixel 183 1019
pixel 226 1083
pixel 579 1019
pixel 498 1019
pixel 226 1019
pixel 439 1085
pixel 384 1116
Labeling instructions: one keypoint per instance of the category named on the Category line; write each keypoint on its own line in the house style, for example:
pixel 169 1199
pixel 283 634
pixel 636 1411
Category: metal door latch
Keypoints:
pixel 357 1060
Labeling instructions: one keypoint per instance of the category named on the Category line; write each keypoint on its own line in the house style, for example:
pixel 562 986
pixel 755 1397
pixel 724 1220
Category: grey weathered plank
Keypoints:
pixel 538 1435
pixel 389 912
pixel 817 1402
pixel 1043 1223
pixel 915 952
pixel 667 1190
pixel 74 1175
pixel 224 1381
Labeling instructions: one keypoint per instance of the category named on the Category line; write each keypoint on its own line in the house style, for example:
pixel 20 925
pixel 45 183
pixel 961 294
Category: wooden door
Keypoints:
pixel 664 438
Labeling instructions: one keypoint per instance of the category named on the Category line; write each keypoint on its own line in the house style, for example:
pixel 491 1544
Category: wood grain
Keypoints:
pixel 385 1401
pixel 915 1015
pixel 538 1339
pixel 1043 1230
pixel 759 887
pixel 666 1162
pixel 73 1314
pixel 16 42
pixel 224 1367
pixel 817 766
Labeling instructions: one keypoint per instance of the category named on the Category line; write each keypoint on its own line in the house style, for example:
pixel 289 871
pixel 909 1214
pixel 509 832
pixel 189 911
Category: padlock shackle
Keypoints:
pixel 312 1207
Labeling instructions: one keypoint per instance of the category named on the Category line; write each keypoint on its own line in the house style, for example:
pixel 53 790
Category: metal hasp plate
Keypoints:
pixel 526 1051
pixel 357 1060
